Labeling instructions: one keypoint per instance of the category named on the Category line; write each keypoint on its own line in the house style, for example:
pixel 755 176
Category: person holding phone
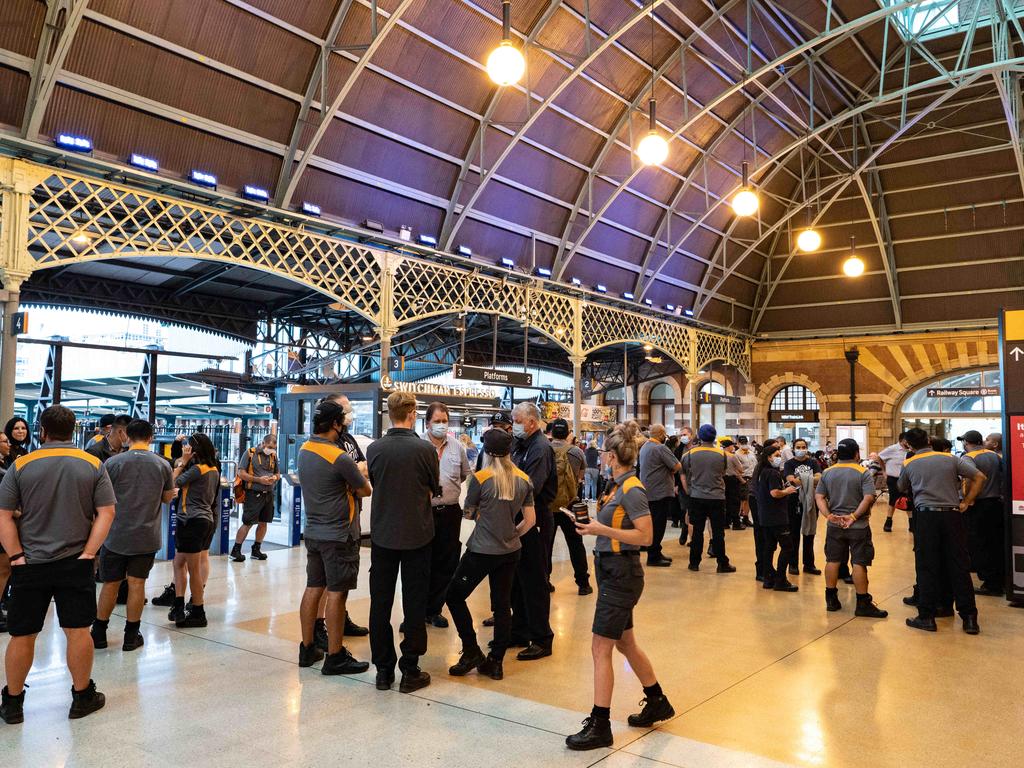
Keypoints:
pixel 499 498
pixel 772 494
pixel 622 527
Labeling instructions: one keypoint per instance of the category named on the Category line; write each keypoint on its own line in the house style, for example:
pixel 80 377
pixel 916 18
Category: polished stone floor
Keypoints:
pixel 758 679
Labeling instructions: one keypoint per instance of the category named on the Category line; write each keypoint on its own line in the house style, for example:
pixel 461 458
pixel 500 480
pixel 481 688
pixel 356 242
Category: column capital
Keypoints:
pixel 577 360
pixel 12 280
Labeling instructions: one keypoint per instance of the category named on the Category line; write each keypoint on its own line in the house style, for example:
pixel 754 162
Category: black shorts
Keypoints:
pixel 894 491
pixel 69 583
pixel 854 543
pixel 620 582
pixel 258 507
pixel 117 567
pixel 193 535
pixel 332 564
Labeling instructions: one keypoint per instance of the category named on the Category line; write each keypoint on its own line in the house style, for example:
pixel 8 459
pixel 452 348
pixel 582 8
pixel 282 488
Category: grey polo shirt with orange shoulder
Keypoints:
pixel 495 531
pixel 704 470
pixel 991 463
pixel 200 488
pixel 329 478
pixel 625 502
pixel 57 488
pixel 934 478
pixel 845 485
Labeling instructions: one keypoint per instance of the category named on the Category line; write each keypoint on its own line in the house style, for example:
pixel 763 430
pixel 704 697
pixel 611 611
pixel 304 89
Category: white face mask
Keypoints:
pixel 519 430
pixel 684 439
pixel 268 451
pixel 349 418
pixel 800 453
pixel 439 429
pixel 777 462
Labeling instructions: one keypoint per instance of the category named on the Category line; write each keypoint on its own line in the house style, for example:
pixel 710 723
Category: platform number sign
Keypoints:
pixel 19 323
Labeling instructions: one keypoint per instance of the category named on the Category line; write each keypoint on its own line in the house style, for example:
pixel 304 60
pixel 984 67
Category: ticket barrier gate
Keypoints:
pixel 287 530
pixel 221 543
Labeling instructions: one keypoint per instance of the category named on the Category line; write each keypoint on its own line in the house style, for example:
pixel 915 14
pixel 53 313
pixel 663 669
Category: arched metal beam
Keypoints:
pixel 478 137
pixel 45 68
pixel 595 53
pixel 315 77
pixel 346 88
pixel 831 38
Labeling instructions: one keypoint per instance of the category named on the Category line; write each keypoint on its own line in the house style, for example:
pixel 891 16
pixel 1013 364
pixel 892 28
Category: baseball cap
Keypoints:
pixel 559 429
pixel 742 440
pixel 972 436
pixel 707 433
pixel 725 443
pixel 327 412
pixel 501 417
pixel 847 448
pixel 497 442
pixel 108 419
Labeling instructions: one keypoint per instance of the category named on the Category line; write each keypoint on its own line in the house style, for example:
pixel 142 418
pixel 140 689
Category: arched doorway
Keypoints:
pixel 793 412
pixel 957 402
pixel 708 411
pixel 662 402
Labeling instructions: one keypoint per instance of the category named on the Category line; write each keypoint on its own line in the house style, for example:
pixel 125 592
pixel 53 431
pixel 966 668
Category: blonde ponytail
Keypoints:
pixel 504 475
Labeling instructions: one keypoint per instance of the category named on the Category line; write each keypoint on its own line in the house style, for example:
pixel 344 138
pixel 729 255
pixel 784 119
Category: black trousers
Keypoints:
pixel 531 601
pixel 577 550
pixel 762 559
pixel 940 540
pixel 702 510
pixel 796 517
pixel 733 487
pixel 444 554
pixel 781 536
pixel 546 523
pixel 989 556
pixel 661 509
pixel 500 570
pixel 384 568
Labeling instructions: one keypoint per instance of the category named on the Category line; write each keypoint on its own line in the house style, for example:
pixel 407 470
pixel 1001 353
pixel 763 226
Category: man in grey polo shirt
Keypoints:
pixel 446 547
pixel 67 505
pixel 142 483
pixel 658 468
pixel 844 496
pixel 704 482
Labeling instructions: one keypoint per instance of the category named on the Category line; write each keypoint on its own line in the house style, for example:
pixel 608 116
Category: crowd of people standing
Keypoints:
pixel 68 516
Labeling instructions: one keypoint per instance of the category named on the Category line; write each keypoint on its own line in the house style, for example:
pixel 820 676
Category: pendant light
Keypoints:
pixel 854 265
pixel 809 239
pixel 652 149
pixel 506 64
pixel 745 202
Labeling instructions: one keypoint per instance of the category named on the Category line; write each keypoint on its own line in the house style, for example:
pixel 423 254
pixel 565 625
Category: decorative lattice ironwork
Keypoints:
pixel 711 348
pixel 739 356
pixel 603 326
pixel 75 219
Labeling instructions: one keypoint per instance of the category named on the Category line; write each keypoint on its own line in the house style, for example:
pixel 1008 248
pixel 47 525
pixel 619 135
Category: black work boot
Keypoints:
pixel 99 634
pixel 470 659
pixel 12 708
pixel 343 663
pixel 195 617
pixel 256 553
pixel 85 702
pixel 354 630
pixel 320 635
pixel 166 598
pixel 867 608
pixel 492 668
pixel 413 680
pixel 888 525
pixel 132 642
pixel 654 709
pixel 596 733
pixel 971 624
pixel 919 622
pixel 912 600
pixel 309 655
pixel 832 599
pixel 236 554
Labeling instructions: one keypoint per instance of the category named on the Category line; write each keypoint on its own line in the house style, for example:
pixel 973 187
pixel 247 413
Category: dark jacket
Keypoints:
pixel 535 456
pixel 405 476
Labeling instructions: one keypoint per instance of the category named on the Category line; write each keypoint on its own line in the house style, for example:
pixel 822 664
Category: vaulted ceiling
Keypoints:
pixel 382 110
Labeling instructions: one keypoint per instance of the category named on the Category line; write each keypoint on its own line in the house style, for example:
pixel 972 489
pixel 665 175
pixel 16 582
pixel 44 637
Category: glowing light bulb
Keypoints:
pixel 506 64
pixel 808 241
pixel 745 203
pixel 81 239
pixel 853 266
pixel 652 149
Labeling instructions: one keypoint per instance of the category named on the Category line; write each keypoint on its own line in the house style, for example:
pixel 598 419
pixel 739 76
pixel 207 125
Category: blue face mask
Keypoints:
pixel 684 439
pixel 439 429
pixel 800 453
pixel 518 430
pixel 777 462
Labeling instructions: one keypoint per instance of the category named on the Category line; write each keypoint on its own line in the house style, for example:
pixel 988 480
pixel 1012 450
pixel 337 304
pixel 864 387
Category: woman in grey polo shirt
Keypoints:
pixel 497 495
pixel 622 527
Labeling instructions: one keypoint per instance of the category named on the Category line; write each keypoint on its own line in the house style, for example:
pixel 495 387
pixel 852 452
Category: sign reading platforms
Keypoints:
pixel 493 376
pixel 1011 364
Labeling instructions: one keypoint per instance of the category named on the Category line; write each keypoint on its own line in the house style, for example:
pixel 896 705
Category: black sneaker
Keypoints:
pixel 794 571
pixel 176 614
pixel 596 733
pixel 256 553
pixel 166 598
pixel 438 621
pixel 661 562
pixel 343 663
pixel 385 679
pixel 888 525
pixel 85 702
pixel 585 589
pixel 12 708
pixel 413 680
pixel 784 586
pixel 928 625
pixel 133 642
pixel 99 636
pixel 654 709
pixel 971 625
pixel 534 651
pixel 492 668
pixel 693 567
pixel 832 600
pixel 320 635
pixel 236 554
pixel 725 568
pixel 309 655
pixel 489 621
pixel 195 618
pixel 352 629
pixel 468 661
pixel 812 570
pixel 867 608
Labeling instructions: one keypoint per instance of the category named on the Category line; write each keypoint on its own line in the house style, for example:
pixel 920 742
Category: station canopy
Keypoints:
pixel 891 128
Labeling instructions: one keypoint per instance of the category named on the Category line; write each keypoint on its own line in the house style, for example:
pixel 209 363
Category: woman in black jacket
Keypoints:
pixel 772 492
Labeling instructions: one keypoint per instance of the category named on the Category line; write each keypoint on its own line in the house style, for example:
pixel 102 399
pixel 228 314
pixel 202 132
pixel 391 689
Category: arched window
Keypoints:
pixel 710 412
pixel 955 403
pixel 614 397
pixel 793 413
pixel 662 402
